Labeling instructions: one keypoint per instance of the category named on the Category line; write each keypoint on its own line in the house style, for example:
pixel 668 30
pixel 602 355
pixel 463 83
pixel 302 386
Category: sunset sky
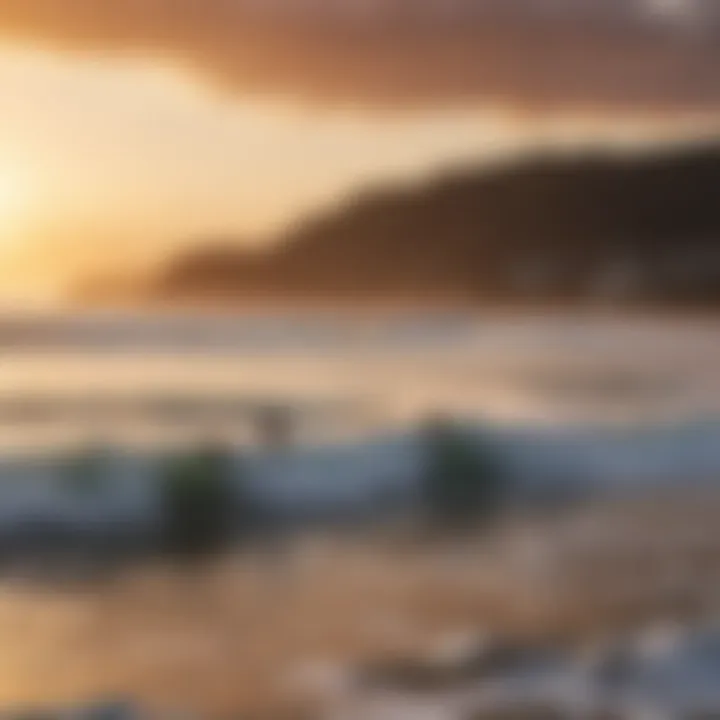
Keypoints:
pixel 110 161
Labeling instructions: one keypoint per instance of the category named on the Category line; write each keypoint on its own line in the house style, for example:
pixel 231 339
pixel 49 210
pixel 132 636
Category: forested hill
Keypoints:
pixel 635 228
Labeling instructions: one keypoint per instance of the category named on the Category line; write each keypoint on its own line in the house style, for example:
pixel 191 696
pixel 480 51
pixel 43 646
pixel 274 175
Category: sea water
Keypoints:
pixel 596 398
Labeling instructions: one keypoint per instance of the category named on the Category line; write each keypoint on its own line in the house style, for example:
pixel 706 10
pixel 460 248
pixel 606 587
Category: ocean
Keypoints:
pixel 592 397
pixel 601 402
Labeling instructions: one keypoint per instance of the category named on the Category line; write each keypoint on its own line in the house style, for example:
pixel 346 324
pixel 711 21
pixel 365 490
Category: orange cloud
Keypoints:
pixel 536 53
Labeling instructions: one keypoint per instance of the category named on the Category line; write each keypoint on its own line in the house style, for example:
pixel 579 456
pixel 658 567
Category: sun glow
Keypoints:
pixel 15 199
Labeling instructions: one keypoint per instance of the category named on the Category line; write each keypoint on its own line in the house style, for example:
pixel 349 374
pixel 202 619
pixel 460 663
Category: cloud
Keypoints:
pixel 635 54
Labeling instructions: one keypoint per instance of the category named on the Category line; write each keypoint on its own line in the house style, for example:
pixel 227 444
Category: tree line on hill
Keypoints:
pixel 626 228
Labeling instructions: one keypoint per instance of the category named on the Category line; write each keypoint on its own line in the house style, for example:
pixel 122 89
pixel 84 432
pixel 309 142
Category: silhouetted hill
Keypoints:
pixel 633 227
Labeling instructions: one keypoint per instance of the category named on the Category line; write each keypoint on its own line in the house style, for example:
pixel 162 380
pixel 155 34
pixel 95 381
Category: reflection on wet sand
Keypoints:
pixel 607 605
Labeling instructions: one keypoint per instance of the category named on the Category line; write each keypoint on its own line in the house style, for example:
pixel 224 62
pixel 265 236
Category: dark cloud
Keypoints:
pixel 532 53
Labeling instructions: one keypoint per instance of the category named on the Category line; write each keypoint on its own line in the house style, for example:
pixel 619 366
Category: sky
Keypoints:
pixel 133 130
